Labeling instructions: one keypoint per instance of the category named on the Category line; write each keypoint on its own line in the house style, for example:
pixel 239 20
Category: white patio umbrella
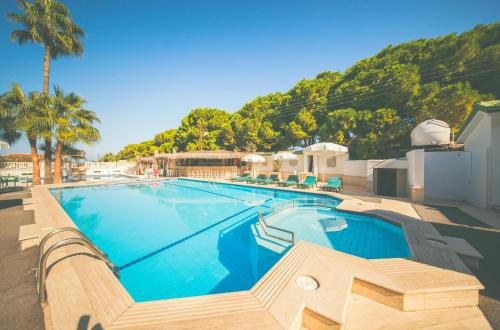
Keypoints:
pixel 253 159
pixel 325 149
pixel 284 155
pixel 4 145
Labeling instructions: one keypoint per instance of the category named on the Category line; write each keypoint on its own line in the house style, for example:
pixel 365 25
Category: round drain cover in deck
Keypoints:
pixel 307 282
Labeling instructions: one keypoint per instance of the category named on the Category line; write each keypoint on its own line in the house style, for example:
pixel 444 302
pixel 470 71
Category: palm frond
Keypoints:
pixel 48 22
pixel 74 123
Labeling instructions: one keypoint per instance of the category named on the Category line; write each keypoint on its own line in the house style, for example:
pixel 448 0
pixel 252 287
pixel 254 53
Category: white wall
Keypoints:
pixel 495 160
pixel 287 167
pixel 339 165
pixel 416 168
pixel 478 144
pixel 446 174
pixel 321 165
pixel 355 168
pixel 267 166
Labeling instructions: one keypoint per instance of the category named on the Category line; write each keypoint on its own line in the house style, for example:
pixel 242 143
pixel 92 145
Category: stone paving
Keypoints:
pixel 19 307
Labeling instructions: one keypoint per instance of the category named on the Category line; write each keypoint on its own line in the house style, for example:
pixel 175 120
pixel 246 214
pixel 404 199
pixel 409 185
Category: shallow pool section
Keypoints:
pixel 355 234
pixel 180 238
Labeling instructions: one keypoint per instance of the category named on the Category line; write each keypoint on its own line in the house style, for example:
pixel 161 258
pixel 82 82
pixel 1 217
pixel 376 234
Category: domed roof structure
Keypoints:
pixel 431 132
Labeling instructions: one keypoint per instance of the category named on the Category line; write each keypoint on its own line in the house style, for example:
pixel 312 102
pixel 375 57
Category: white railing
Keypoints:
pixel 107 168
pixel 16 166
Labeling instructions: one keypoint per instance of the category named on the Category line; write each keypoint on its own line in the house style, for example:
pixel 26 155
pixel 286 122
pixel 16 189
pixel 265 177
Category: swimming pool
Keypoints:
pixel 180 238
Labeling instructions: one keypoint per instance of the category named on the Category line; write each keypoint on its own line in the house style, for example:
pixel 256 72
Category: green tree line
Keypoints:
pixel 371 107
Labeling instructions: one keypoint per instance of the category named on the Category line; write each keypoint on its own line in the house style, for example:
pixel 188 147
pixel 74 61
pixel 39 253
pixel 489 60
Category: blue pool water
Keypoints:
pixel 182 238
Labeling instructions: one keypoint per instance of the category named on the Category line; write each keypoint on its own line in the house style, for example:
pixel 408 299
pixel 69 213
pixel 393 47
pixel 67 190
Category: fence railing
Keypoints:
pixel 99 165
pixel 16 166
pixel 27 167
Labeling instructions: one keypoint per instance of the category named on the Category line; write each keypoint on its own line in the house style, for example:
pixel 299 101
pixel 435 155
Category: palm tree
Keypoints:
pixel 48 23
pixel 73 124
pixel 28 116
pixel 8 131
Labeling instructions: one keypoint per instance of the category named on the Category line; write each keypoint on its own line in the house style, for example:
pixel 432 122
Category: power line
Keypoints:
pixel 298 105
pixel 382 94
pixel 368 96
pixel 422 79
pixel 448 59
pixel 383 83
pixel 390 78
pixel 296 109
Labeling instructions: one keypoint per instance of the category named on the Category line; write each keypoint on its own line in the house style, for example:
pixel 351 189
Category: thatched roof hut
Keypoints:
pixel 203 154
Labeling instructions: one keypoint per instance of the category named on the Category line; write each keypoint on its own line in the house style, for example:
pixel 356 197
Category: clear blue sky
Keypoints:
pixel 147 63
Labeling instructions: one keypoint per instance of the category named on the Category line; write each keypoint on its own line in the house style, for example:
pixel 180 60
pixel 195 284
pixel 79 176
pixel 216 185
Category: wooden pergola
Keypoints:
pixel 189 162
pixel 203 154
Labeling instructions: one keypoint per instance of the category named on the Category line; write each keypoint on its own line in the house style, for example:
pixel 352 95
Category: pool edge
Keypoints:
pixel 102 297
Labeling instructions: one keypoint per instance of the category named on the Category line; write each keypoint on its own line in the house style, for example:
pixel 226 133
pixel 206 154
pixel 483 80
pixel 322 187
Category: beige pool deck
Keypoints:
pixel 433 289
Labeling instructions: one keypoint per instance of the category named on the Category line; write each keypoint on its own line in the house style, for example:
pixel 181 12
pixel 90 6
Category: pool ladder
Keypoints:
pixel 41 271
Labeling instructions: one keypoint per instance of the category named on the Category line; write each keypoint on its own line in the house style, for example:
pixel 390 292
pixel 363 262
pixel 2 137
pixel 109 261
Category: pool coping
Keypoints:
pixel 98 294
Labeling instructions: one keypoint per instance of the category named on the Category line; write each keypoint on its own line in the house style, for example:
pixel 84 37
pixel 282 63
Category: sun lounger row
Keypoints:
pixel 293 180
pixel 6 180
pixel 333 184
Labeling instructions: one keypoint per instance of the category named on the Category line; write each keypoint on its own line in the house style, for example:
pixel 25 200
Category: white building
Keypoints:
pixel 481 138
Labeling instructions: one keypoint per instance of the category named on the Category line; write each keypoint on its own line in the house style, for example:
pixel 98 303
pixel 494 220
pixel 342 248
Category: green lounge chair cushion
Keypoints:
pixel 333 183
pixel 272 178
pixel 257 179
pixel 292 179
pixel 308 182
pixel 244 177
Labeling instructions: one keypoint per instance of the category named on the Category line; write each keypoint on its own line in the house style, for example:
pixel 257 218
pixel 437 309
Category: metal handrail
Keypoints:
pixel 45 239
pixel 287 204
pixel 42 243
pixel 265 225
pixel 42 262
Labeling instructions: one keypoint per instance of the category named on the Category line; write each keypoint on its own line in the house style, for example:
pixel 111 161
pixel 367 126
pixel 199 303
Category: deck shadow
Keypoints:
pixel 7 203
pixel 19 306
pixel 487 242
pixel 451 221
pixel 453 215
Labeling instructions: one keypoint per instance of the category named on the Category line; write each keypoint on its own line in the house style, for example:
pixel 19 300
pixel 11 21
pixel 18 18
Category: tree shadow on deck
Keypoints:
pixel 451 221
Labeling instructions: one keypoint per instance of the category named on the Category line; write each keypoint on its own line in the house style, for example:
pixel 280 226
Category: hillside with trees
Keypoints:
pixel 371 107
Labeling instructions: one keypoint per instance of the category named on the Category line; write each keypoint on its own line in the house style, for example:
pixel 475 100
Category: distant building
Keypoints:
pixel 19 157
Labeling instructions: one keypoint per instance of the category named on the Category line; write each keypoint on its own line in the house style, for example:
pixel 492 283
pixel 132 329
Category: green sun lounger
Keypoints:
pixel 242 178
pixel 292 179
pixel 273 178
pixel 333 184
pixel 5 180
pixel 26 180
pixel 309 182
pixel 257 179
